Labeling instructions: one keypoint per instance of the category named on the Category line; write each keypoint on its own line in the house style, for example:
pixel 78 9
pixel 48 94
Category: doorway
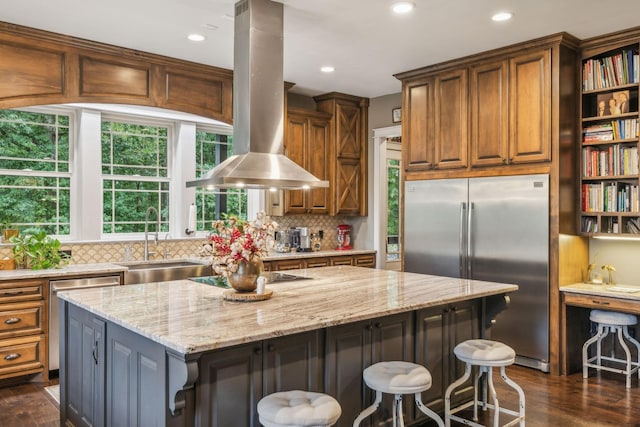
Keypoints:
pixel 388 197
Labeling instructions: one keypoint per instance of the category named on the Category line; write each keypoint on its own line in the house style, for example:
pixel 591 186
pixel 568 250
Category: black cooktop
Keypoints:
pixel 272 277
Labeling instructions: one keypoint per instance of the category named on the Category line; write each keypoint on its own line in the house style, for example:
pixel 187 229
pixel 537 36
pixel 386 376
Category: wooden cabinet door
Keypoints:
pixel 418 124
pixel 489 114
pixel 431 346
pixel 392 340
pixel 318 164
pixel 463 323
pixel 530 107
pixel 347 354
pixel 293 362
pixel 83 368
pixel 451 120
pixel 136 369
pixel 229 387
pixel 295 143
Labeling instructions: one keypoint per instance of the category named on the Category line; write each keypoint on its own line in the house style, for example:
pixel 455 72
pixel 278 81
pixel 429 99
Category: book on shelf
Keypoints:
pixel 609 197
pixel 610 71
pixel 633 226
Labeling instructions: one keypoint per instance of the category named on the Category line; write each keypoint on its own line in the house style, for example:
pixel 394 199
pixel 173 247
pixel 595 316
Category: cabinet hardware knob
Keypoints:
pixel 600 302
pixel 12 356
pixel 369 327
pixel 12 320
pixel 271 347
pixel 378 325
pixel 257 351
pixel 504 160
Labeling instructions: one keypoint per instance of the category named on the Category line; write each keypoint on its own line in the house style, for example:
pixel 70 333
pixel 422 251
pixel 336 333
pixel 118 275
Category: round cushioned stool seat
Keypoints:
pixel 298 408
pixel 397 377
pixel 612 318
pixel 485 352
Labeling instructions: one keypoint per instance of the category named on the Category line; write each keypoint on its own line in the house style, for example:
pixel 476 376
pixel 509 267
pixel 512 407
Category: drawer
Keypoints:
pixel 23 290
pixel 342 260
pixel 603 303
pixel 20 356
pixel 364 260
pixel 291 264
pixel 317 262
pixel 21 319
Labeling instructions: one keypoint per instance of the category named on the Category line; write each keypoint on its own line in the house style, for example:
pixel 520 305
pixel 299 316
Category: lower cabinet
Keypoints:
pixel 438 331
pixel 233 380
pixel 84 357
pixel 111 376
pixel 350 348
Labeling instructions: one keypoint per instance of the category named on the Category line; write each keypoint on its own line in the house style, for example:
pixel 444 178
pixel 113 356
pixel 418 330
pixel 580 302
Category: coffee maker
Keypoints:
pixel 343 237
pixel 305 239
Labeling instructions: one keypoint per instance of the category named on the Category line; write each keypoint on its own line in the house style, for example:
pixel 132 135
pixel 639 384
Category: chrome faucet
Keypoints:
pixel 146 232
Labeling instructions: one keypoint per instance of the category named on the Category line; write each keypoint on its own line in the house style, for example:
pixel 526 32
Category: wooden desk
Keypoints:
pixel 575 325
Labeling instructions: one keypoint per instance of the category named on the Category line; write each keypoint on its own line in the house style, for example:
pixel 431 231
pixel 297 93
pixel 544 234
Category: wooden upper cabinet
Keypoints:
pixel 347 152
pixel 307 143
pixel 451 120
pixel 418 124
pixel 489 114
pixel 530 107
pixel 483 111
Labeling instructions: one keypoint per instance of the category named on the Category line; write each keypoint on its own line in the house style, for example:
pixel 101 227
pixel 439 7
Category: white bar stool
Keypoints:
pixel 486 355
pixel 614 322
pixel 397 378
pixel 298 408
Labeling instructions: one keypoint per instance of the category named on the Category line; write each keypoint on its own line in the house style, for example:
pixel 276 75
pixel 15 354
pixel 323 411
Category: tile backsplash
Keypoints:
pixel 98 252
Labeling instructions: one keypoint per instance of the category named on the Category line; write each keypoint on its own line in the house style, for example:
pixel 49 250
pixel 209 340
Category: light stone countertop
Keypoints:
pixel 275 256
pixel 68 270
pixel 190 317
pixel 630 292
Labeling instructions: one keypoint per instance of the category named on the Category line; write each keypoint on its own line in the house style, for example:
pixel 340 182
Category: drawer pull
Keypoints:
pixel 12 356
pixel 12 320
pixel 600 302
pixel 12 294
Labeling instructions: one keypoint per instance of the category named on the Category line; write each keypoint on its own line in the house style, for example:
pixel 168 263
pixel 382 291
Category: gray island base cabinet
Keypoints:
pixel 116 372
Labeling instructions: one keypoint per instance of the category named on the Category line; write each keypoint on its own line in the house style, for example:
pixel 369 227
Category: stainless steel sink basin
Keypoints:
pixel 147 272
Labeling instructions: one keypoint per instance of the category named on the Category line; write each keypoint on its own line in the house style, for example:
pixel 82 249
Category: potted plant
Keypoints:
pixel 36 250
pixel 8 230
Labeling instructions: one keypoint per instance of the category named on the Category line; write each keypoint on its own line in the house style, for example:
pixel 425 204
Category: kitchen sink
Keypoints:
pixel 147 272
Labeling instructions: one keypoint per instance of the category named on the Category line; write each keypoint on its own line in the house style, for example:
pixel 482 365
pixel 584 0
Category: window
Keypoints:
pixel 393 209
pixel 34 170
pixel 135 175
pixel 212 148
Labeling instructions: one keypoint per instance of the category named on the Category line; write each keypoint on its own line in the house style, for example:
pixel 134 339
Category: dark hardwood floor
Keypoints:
pixel 601 400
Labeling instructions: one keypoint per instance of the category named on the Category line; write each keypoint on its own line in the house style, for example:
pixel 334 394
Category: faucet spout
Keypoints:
pixel 146 231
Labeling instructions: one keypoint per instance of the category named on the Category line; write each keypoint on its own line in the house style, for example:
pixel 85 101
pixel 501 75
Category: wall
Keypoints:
pixel 622 254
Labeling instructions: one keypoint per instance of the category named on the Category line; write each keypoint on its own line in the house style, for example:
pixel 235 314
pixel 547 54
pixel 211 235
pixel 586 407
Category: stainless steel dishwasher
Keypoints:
pixel 56 286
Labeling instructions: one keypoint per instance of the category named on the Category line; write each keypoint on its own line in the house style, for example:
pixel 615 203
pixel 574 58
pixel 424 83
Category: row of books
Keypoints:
pixel 613 160
pixel 616 129
pixel 589 224
pixel 610 197
pixel 633 226
pixel 610 71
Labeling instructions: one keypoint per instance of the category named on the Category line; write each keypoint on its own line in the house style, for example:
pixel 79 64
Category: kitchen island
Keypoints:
pixel 178 354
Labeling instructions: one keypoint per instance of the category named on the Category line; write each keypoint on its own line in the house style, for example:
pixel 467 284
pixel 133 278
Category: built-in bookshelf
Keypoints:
pixel 610 200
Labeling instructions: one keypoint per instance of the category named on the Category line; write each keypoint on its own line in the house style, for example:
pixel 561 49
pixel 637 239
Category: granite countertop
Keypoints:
pixel 274 256
pixel 190 317
pixel 630 292
pixel 68 270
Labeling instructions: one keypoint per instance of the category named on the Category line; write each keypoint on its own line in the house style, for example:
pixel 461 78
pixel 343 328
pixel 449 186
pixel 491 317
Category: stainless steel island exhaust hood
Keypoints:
pixel 258 107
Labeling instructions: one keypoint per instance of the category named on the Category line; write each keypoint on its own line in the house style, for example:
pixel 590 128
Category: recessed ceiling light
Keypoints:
pixel 327 69
pixel 196 37
pixel 502 16
pixel 402 7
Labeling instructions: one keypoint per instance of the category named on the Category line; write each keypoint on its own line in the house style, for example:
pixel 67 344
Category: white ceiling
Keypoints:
pixel 362 39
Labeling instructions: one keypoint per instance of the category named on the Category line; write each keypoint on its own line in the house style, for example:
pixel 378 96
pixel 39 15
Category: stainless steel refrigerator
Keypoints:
pixel 494 229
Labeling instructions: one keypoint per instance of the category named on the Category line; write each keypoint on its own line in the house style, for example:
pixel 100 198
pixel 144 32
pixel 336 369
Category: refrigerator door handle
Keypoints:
pixel 469 241
pixel 461 255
